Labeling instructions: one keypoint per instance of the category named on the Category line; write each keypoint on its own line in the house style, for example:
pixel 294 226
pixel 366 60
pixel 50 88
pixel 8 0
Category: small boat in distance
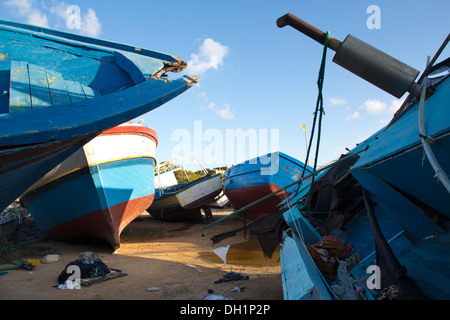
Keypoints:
pixel 60 90
pixel 181 201
pixel 253 179
pixel 98 190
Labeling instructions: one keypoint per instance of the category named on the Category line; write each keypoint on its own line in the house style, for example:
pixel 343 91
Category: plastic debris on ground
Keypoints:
pixel 91 270
pixel 50 258
pixel 197 268
pixel 222 253
pixel 213 296
pixel 68 285
pixel 232 276
pixel 238 289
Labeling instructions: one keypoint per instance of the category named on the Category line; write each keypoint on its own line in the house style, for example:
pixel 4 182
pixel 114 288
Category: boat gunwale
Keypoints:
pixel 372 161
pixel 245 163
pixel 102 104
pixel 185 187
pixel 83 41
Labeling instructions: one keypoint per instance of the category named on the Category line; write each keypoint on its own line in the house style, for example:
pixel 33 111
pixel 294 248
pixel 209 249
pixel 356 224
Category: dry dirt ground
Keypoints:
pixel 155 254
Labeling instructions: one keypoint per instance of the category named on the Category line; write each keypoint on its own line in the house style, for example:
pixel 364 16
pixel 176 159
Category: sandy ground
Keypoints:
pixel 154 254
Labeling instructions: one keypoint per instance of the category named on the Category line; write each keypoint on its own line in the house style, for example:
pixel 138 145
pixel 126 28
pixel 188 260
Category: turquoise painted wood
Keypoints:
pixel 105 66
pixel 75 91
pixel 60 90
pixel 33 87
pixel 411 206
pixel 300 277
pixel 20 99
pixel 39 92
pixel 57 88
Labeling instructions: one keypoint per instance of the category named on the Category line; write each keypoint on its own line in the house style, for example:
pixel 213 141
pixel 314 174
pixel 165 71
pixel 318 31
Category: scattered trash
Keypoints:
pixel 23 264
pixel 238 289
pixel 343 286
pixel 50 258
pixel 389 293
pixel 194 267
pixel 17 227
pixel 34 262
pixel 88 255
pixel 222 253
pixel 67 285
pixel 8 268
pixel 152 289
pixel 112 275
pixel 92 270
pixel 232 276
pixel 213 296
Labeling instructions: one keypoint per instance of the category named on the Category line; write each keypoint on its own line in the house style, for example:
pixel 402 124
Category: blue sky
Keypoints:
pixel 257 79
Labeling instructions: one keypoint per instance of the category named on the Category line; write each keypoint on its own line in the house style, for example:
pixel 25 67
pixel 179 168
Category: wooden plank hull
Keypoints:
pixel 99 190
pixel 63 90
pixel 402 165
pixel 185 202
pixel 22 166
pixel 250 181
pixel 197 194
pixel 104 66
pixel 405 232
pixel 246 195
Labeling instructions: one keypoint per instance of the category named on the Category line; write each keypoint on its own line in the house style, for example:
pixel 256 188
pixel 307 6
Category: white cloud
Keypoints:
pixel 395 105
pixel 374 106
pixel 224 112
pixel 89 23
pixel 28 10
pixel 210 56
pixel 353 116
pixel 60 9
pixel 337 101
pixel 37 18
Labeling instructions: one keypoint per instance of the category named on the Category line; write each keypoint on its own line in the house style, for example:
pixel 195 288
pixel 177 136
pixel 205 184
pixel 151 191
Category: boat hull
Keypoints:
pixel 169 209
pixel 64 89
pixel 246 195
pixel 403 226
pixel 22 166
pixel 186 202
pixel 250 181
pixel 403 165
pixel 99 190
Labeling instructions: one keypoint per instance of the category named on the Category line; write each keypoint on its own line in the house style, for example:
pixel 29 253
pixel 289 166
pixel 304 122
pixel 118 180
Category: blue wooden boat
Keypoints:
pixel 255 178
pixel 60 90
pixel 98 190
pixel 375 225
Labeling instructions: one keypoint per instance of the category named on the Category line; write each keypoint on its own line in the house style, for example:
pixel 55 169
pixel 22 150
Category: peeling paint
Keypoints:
pixel 176 67
pixel 191 80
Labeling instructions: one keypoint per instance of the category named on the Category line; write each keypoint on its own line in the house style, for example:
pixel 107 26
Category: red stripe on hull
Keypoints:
pixel 129 130
pixel 103 224
pixel 242 197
